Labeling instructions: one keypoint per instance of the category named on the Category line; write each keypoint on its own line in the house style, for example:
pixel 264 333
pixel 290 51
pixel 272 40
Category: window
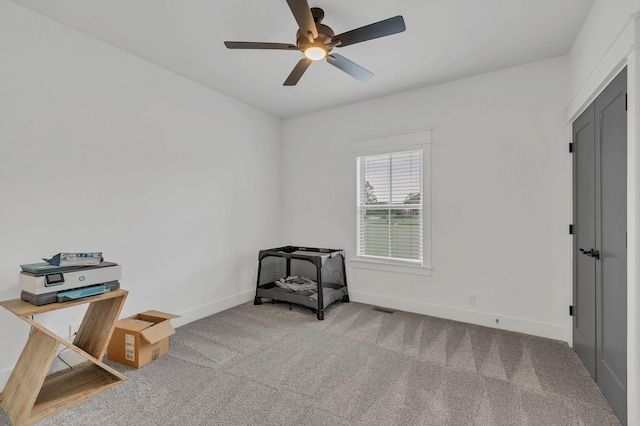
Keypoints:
pixel 390 206
pixel 393 223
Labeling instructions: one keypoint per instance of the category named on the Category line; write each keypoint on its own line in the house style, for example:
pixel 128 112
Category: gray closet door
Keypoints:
pixel 584 272
pixel 600 202
pixel 611 229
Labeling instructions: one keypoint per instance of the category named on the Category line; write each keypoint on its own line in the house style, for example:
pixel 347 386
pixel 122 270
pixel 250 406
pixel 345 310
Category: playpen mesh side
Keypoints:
pixel 332 271
pixel 272 269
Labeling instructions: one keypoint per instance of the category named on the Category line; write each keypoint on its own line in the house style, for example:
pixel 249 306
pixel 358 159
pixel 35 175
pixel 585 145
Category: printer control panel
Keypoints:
pixel 53 279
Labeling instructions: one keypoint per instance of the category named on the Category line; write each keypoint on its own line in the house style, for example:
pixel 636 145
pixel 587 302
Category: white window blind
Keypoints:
pixel 390 206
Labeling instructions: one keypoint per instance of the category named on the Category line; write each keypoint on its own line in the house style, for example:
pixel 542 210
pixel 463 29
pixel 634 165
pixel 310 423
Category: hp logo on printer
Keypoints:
pixel 81 278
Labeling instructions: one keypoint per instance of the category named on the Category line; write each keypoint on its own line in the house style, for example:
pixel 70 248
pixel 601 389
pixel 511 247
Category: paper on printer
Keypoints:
pixel 75 259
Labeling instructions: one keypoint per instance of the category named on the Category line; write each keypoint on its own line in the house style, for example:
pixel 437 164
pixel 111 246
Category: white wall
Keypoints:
pixel 102 151
pixel 599 31
pixel 500 196
pixel 600 48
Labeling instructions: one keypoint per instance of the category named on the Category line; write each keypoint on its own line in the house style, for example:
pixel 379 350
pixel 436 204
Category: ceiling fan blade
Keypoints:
pixel 351 68
pixel 304 18
pixel 258 45
pixel 297 72
pixel 369 32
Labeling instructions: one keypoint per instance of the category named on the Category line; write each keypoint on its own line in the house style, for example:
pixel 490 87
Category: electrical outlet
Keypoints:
pixel 73 330
pixel 471 298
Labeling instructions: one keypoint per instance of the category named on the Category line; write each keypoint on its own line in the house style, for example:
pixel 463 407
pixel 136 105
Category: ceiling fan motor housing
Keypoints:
pixel 325 34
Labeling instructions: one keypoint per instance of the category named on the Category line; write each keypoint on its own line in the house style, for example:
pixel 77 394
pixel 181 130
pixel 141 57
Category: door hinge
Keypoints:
pixel 571 310
pixel 570 229
pixel 570 147
pixel 625 102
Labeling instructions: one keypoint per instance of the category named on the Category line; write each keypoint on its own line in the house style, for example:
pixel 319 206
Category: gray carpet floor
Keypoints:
pixel 268 365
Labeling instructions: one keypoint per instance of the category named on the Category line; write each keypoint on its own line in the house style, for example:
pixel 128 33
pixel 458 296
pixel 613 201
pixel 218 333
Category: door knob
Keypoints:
pixel 591 253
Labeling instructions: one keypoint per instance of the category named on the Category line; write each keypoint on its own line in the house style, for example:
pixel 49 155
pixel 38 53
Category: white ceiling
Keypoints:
pixel 445 40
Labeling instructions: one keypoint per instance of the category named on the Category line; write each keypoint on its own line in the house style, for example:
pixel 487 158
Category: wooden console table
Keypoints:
pixel 30 395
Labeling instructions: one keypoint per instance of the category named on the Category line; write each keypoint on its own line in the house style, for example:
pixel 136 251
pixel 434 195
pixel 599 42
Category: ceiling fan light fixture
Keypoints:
pixel 315 53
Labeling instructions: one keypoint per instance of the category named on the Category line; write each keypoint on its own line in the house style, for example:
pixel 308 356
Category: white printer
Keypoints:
pixel 42 283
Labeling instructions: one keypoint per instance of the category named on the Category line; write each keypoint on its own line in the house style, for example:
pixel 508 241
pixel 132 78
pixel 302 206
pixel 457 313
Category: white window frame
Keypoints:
pixel 385 144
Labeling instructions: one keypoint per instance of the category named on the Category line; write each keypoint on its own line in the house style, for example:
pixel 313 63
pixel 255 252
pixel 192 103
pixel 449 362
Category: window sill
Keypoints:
pixel 390 266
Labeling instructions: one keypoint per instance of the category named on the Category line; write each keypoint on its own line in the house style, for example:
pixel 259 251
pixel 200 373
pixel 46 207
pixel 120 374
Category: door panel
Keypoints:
pixel 584 289
pixel 611 228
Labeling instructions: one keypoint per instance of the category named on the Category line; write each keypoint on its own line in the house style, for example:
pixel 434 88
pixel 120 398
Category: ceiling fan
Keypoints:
pixel 317 40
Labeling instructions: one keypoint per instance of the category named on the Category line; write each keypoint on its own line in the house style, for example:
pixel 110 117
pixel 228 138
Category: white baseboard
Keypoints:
pixel 480 318
pixel 70 357
pixel 550 331
pixel 214 307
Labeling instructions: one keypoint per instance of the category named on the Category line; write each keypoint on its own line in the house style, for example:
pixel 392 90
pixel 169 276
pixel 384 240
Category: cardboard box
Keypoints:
pixel 137 343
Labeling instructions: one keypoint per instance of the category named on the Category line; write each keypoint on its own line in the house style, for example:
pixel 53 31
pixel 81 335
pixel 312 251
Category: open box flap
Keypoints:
pixel 130 326
pixel 158 332
pixel 158 314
